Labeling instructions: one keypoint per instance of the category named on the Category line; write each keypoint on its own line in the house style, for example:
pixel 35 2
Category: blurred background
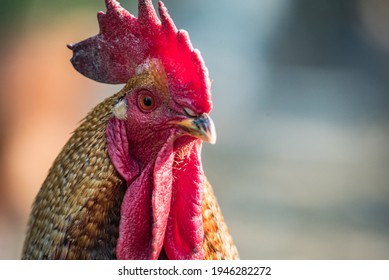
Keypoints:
pixel 301 99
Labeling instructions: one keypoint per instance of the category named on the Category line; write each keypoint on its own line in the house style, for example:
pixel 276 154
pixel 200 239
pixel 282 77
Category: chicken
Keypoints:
pixel 129 183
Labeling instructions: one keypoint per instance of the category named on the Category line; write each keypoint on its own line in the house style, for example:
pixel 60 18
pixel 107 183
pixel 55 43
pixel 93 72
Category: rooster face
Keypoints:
pixel 152 112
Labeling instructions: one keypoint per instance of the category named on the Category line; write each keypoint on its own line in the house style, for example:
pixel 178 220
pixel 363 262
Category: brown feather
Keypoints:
pixel 76 212
pixel 218 244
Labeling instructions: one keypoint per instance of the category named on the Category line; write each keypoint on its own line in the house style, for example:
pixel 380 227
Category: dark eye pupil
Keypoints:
pixel 147 101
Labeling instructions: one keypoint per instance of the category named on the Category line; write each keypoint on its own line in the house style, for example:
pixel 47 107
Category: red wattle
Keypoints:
pixel 135 229
pixel 162 205
pixel 184 232
pixel 161 197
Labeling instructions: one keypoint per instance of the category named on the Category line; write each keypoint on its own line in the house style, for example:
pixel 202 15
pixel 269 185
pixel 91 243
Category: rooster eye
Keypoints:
pixel 146 100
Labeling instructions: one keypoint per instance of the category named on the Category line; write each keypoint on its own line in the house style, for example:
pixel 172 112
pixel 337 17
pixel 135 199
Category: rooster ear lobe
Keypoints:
pixel 118 149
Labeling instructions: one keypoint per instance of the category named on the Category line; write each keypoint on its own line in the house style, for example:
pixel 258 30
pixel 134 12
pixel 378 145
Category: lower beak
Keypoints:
pixel 201 127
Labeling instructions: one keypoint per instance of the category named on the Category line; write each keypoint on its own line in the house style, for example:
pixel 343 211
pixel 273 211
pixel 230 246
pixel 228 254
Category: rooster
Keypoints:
pixel 129 183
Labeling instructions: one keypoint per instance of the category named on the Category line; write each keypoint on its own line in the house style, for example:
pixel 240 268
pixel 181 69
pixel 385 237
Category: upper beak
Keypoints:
pixel 201 127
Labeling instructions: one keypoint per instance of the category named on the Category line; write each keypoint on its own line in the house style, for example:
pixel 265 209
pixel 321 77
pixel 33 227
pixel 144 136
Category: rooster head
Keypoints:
pixel 157 127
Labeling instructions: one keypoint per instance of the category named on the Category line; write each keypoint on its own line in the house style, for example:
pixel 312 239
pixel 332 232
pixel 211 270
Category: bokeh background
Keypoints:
pixel 301 99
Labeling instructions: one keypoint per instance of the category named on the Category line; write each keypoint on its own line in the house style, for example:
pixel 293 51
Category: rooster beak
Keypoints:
pixel 201 127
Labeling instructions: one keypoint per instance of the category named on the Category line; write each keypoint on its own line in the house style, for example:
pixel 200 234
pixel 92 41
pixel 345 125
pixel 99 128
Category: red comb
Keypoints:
pixel 125 42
